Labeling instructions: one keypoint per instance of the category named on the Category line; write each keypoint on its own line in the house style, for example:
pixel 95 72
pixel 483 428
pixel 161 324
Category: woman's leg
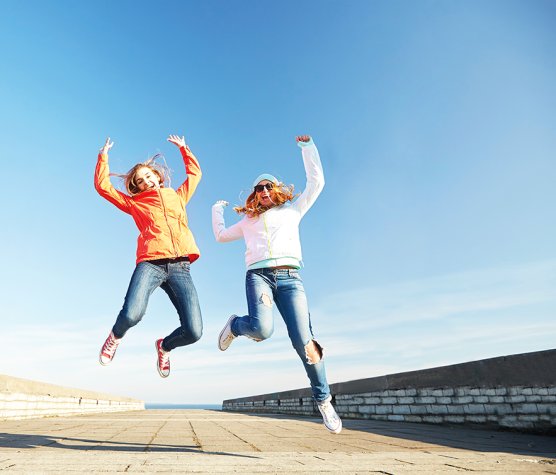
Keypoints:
pixel 181 290
pixel 292 304
pixel 258 324
pixel 145 279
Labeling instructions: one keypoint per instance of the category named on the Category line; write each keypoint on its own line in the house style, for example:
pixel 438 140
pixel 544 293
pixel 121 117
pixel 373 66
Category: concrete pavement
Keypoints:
pixel 202 441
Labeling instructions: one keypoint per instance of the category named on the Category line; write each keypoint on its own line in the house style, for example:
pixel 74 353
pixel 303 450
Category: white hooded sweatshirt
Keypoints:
pixel 275 233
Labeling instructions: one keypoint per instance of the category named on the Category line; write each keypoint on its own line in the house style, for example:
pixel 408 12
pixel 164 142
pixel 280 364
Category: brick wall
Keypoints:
pixel 510 392
pixel 23 399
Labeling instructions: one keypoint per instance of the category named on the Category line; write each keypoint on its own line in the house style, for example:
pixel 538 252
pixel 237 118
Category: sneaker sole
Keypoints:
pixel 157 368
pixel 222 332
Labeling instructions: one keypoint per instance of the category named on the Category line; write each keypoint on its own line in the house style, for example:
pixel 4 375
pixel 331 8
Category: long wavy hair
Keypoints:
pixel 279 194
pixel 160 170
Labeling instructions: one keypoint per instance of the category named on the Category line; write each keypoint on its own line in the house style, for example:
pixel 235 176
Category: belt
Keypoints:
pixel 169 260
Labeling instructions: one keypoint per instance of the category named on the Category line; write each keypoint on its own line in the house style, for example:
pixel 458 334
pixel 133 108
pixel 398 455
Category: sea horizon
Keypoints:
pixel 162 405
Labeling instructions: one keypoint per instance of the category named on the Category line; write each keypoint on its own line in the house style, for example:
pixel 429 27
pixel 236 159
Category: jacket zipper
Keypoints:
pixel 267 236
pixel 167 223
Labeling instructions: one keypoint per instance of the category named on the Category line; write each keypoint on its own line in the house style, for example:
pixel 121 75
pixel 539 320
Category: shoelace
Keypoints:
pixel 110 346
pixel 329 411
pixel 163 360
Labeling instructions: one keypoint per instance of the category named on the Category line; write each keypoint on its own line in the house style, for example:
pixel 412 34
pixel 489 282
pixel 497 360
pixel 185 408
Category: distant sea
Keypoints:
pixel 156 405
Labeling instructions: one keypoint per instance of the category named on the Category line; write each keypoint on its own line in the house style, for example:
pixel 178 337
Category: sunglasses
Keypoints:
pixel 260 188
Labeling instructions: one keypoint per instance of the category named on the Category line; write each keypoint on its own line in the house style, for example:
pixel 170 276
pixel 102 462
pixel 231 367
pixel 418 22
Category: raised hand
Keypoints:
pixel 177 140
pixel 303 138
pixel 221 203
pixel 107 146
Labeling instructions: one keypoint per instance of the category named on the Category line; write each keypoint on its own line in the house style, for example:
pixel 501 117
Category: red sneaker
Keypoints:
pixel 108 350
pixel 162 360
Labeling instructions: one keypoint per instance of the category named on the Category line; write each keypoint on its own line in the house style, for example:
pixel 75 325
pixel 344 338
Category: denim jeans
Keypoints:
pixel 285 288
pixel 174 278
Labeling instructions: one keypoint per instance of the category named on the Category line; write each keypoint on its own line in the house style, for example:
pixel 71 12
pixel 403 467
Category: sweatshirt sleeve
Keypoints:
pixel 315 177
pixel 193 170
pixel 104 186
pixel 221 233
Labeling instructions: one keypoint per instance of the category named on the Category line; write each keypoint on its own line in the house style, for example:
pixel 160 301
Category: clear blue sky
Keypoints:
pixel 434 241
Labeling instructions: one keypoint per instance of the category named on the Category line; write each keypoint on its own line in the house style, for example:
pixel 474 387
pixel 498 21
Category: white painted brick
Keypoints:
pixel 388 400
pixel 425 400
pixel 529 418
pixel 462 400
pixel 418 409
pixel 474 409
pixel 475 419
pixel 396 418
pixel 444 400
pixel 455 419
pixel 372 400
pixel 433 419
pixel 413 419
pixel 496 399
pixel 437 409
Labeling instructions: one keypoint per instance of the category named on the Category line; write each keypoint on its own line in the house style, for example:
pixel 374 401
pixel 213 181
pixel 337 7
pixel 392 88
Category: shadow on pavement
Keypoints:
pixel 31 441
pixel 479 440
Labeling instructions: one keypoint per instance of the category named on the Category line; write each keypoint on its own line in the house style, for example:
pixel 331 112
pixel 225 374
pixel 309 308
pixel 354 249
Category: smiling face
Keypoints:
pixel 146 179
pixel 264 190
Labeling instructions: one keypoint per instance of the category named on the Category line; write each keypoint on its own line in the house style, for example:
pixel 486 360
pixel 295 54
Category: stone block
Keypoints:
pixel 480 399
pixel 489 392
pixel 515 399
pixel 526 408
pixel 448 392
pixel 413 419
pixel 372 400
pixel 425 400
pixel 462 400
pixel 474 392
pixel 474 419
pixel 406 400
pixel 385 409
pixel 367 409
pixel 402 409
pixel 397 418
pixel 474 409
pixel 533 398
pixel 455 409
pixel 418 409
pixel 437 409
pixel 455 419
pixel 501 391
pixel 444 400
pixel 496 399
pixel 433 419
pixel 527 391
pixel 388 400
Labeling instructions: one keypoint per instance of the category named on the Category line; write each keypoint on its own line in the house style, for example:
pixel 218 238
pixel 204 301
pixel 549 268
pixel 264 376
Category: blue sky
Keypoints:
pixel 432 243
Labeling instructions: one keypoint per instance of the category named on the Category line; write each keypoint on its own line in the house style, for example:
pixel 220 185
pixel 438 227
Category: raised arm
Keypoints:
pixel 192 168
pixel 221 233
pixel 102 180
pixel 313 172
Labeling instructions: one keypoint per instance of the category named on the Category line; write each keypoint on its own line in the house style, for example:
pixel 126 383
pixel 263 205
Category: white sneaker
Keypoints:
pixel 330 418
pixel 108 349
pixel 226 336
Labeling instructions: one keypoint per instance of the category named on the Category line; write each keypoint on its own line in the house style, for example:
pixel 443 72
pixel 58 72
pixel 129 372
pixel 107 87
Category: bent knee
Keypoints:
pixel 261 333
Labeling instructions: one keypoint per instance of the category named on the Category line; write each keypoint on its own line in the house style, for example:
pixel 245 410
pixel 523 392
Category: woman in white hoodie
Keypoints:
pixel 270 228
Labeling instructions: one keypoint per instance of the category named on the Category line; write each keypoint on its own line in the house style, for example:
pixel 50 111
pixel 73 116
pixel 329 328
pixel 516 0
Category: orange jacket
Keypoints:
pixel 159 214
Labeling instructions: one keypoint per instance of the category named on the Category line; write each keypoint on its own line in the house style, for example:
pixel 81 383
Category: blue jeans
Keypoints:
pixel 285 288
pixel 174 278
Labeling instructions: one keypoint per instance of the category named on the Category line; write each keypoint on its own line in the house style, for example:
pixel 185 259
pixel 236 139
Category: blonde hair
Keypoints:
pixel 161 171
pixel 279 194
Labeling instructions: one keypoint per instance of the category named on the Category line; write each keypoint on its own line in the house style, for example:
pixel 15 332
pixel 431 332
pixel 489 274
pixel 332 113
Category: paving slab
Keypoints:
pixel 204 441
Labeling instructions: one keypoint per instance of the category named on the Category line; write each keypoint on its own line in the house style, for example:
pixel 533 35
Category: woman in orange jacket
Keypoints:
pixel 165 249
